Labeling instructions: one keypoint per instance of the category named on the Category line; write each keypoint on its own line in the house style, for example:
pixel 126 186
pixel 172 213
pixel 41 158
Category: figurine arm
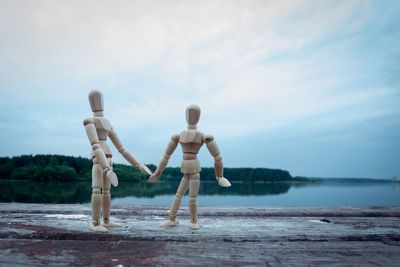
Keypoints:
pixel 94 141
pixel 173 143
pixel 125 153
pixel 218 165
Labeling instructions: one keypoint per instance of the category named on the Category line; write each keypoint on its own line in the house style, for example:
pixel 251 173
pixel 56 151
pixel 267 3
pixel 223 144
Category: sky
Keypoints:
pixel 311 87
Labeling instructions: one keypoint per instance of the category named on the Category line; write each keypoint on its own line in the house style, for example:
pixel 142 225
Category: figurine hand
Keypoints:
pixel 144 169
pixel 222 181
pixel 113 177
pixel 154 177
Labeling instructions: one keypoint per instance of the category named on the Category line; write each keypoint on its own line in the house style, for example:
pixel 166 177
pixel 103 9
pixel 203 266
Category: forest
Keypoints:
pixel 69 168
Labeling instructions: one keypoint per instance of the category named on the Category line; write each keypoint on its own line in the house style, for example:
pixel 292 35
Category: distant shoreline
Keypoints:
pixel 75 169
pixel 356 180
pixel 176 179
pixel 68 168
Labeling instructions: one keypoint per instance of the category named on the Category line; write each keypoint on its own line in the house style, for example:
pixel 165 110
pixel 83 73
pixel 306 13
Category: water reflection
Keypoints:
pixel 45 192
pixel 80 192
pixel 325 193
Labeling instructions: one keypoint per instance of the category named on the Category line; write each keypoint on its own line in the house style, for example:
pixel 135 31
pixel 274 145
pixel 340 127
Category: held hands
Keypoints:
pixel 154 177
pixel 114 179
pixel 222 181
pixel 144 169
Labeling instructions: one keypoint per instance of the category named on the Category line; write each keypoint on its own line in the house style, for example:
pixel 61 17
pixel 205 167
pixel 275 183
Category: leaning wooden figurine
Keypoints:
pixel 98 129
pixel 191 141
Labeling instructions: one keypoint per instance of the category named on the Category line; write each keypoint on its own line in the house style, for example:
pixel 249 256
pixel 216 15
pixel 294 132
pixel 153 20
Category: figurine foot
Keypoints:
pixel 169 223
pixel 194 226
pixel 110 225
pixel 98 228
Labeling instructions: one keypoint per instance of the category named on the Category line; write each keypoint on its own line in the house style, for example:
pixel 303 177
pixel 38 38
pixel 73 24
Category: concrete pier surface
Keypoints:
pixel 59 235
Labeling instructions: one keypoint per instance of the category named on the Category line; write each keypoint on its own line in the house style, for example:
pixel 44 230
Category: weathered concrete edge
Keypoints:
pixel 52 233
pixel 207 211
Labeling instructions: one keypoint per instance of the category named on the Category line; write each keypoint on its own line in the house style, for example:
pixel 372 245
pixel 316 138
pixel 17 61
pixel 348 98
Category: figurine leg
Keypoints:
pixel 97 175
pixel 106 203
pixel 194 185
pixel 183 186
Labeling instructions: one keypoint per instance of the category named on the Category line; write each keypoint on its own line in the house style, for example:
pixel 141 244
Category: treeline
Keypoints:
pixel 80 192
pixel 236 174
pixel 67 168
pixel 58 168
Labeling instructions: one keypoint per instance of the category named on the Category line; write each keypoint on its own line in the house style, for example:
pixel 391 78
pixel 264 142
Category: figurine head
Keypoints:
pixel 96 102
pixel 192 116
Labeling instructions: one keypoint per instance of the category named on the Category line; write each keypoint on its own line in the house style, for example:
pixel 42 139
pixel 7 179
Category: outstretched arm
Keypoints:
pixel 218 165
pixel 173 143
pixel 125 153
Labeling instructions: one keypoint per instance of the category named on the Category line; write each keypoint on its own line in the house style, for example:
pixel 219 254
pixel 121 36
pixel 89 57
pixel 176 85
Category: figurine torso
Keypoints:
pixel 191 142
pixel 103 128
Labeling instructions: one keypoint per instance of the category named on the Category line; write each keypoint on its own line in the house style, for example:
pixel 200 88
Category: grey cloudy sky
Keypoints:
pixel 307 86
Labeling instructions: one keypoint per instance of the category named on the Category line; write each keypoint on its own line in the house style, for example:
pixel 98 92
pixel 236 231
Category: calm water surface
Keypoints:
pixel 240 194
pixel 325 194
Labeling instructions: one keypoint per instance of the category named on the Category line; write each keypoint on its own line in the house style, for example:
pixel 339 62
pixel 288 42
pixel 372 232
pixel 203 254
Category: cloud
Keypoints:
pixel 254 67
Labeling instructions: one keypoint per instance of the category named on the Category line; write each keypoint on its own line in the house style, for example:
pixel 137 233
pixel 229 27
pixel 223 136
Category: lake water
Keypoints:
pixel 325 194
pixel 240 194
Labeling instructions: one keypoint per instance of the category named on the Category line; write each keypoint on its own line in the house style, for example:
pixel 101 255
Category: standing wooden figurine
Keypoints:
pixel 98 129
pixel 191 141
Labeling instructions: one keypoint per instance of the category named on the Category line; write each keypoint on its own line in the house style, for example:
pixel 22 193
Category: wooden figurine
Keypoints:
pixel 98 129
pixel 191 141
